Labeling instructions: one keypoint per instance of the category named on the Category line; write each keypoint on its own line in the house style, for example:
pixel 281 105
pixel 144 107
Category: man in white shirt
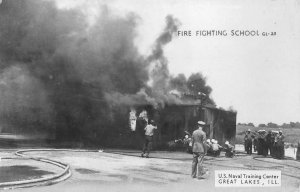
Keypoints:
pixel 149 132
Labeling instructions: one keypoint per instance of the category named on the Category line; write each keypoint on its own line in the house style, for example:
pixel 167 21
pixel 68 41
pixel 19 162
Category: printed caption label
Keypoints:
pixel 247 178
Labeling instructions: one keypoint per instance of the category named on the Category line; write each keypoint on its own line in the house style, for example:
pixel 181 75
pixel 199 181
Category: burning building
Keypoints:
pixel 174 120
pixel 80 81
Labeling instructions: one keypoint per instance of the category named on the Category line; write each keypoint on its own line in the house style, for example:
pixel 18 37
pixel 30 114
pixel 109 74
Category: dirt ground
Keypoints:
pixel 121 170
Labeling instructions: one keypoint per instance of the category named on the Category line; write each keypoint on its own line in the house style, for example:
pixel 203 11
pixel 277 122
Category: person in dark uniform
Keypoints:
pixel 272 144
pixel 269 142
pixel 280 145
pixel 199 151
pixel 259 143
pixel 248 142
pixel 275 145
pixel 262 143
pixel 255 142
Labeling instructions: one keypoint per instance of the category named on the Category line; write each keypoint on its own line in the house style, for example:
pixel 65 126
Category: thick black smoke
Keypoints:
pixel 163 84
pixel 75 66
pixel 160 72
pixel 59 72
pixel 157 94
pixel 195 85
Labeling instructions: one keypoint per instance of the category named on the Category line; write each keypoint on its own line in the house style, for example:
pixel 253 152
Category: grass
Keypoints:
pixel 292 135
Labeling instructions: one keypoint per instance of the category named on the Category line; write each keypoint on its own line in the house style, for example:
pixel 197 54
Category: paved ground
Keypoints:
pixel 13 168
pixel 167 171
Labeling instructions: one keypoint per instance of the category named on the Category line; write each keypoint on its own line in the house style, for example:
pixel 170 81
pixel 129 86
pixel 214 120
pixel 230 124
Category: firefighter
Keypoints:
pixel 216 148
pixel 272 144
pixel 209 146
pixel 187 141
pixel 255 141
pixel 259 143
pixel 269 142
pixel 262 143
pixel 229 150
pixel 149 132
pixel 248 142
pixel 275 144
pixel 280 145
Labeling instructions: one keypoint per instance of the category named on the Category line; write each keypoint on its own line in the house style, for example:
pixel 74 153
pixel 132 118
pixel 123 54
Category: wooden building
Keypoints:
pixel 173 120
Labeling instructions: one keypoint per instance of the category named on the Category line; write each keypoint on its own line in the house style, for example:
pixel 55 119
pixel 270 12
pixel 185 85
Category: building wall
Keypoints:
pixel 172 121
pixel 222 124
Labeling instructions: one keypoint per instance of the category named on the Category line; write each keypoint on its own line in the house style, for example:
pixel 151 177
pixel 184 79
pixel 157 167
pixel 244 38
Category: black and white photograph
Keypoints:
pixel 149 96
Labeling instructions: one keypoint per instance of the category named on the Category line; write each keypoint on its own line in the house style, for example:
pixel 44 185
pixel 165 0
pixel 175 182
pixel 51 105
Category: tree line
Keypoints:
pixel 274 125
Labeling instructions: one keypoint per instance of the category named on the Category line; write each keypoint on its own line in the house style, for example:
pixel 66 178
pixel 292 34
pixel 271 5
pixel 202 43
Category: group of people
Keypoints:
pixel 214 149
pixel 265 143
pixel 212 146
pixel 200 146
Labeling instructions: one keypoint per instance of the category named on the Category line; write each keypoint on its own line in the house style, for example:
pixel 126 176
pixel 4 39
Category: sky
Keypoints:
pixel 257 76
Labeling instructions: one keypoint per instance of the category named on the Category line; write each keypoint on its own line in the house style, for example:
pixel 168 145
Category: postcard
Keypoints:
pixel 129 95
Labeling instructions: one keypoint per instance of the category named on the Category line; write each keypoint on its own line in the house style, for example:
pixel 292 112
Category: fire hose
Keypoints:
pixel 66 173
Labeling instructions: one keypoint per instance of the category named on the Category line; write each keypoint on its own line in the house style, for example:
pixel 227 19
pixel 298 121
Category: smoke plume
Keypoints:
pixel 59 72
